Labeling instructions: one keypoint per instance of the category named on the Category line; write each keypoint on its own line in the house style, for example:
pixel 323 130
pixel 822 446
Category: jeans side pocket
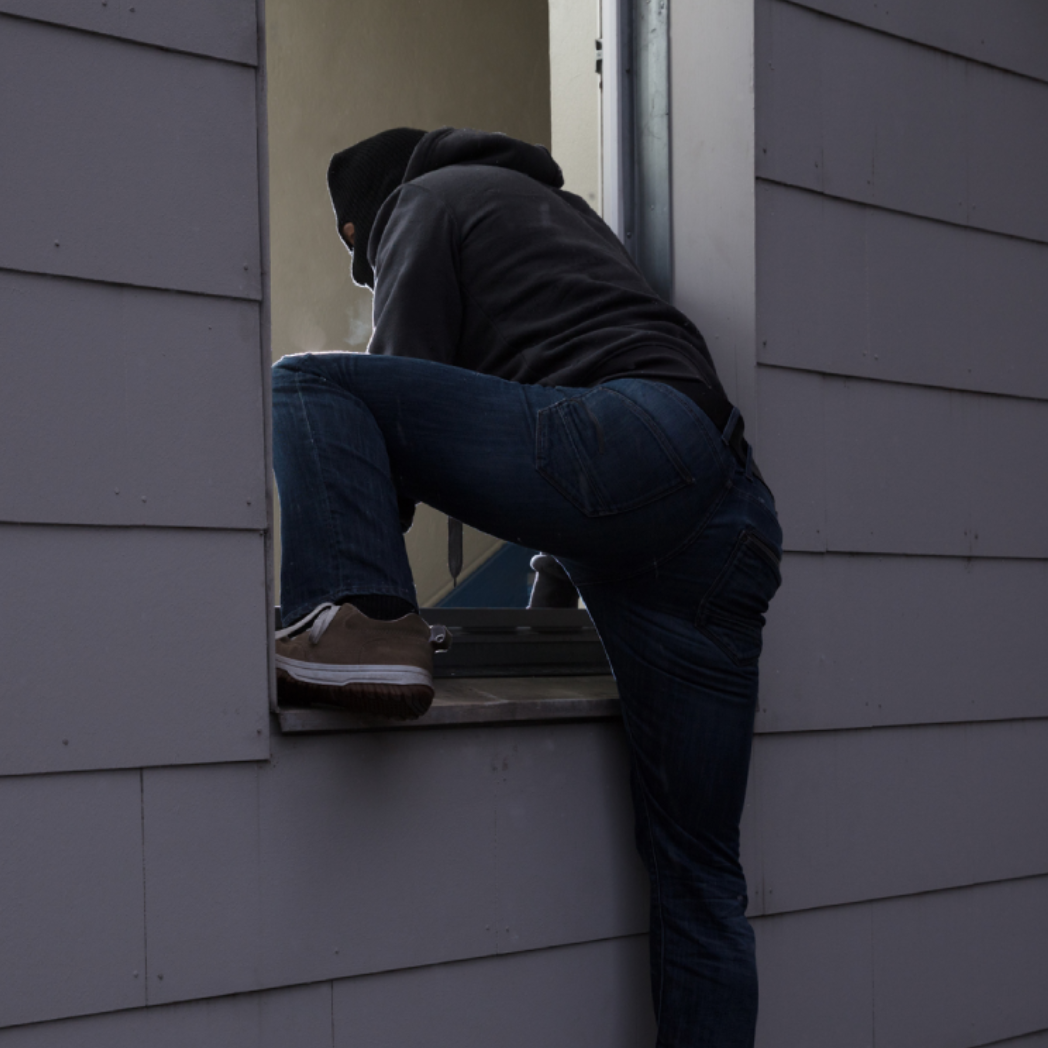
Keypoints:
pixel 732 612
pixel 606 454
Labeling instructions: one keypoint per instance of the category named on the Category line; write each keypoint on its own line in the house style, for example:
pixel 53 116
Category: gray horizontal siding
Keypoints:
pixel 589 996
pixel 1005 33
pixel 852 816
pixel 945 970
pixel 125 406
pixel 594 994
pixel 220 30
pixel 269 874
pixel 854 290
pixel 520 837
pixel 856 641
pixel 129 164
pixel 816 989
pixel 70 895
pixel 298 1017
pixel 871 118
pixel 875 467
pixel 566 867
pixel 965 967
pixel 900 229
pixel 129 647
pixel 341 856
pixel 203 876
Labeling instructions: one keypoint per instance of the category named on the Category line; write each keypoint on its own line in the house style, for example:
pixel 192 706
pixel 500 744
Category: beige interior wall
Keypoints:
pixel 340 71
pixel 574 27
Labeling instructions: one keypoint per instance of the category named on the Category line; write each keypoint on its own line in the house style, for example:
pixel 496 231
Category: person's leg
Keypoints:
pixel 684 639
pixel 351 430
pixel 340 532
pixel 688 705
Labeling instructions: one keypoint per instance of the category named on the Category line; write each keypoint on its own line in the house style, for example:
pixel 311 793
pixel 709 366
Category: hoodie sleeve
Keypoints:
pixel 418 301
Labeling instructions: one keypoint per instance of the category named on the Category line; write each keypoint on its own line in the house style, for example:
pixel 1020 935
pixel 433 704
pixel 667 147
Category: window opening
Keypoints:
pixel 588 78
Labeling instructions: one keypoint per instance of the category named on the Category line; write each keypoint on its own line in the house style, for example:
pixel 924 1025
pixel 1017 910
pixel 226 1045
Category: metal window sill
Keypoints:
pixel 480 700
pixel 505 666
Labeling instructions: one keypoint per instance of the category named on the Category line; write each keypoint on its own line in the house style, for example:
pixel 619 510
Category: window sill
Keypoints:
pixel 480 700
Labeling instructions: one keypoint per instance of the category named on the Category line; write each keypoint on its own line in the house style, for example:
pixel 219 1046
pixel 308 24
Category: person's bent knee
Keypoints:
pixel 334 366
pixel 285 376
pixel 290 363
pixel 289 370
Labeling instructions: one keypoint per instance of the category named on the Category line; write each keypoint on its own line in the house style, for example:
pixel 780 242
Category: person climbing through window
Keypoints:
pixel 524 378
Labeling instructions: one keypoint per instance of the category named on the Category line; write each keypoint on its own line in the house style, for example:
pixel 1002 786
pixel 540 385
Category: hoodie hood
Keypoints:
pixel 449 146
pixel 359 180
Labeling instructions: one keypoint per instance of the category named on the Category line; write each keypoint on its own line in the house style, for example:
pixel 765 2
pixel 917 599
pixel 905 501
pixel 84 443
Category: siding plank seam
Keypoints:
pixel 145 901
pixel 855 202
pixel 136 287
pixel 874 900
pixel 877 899
pixel 332 982
pixel 1014 1040
pixel 937 725
pixel 914 556
pixel 930 725
pixel 126 39
pixel 130 527
pixel 909 40
pixel 852 377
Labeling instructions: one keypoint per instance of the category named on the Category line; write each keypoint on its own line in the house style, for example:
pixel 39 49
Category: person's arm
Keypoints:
pixel 418 299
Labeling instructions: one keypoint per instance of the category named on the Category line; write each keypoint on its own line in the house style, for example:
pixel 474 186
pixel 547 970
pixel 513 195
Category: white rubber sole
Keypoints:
pixel 338 676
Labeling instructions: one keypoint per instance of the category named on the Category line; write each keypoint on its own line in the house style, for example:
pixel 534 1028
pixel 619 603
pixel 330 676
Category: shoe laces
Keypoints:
pixel 321 617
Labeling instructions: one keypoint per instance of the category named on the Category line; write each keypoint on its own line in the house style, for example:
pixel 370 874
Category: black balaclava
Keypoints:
pixel 359 180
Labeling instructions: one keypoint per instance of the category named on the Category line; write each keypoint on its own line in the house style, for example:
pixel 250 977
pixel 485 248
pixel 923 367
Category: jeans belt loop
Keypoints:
pixel 729 428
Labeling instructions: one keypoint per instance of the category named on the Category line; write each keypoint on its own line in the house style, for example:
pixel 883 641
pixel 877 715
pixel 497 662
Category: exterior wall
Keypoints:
pixel 173 874
pixel 340 72
pixel 561 997
pixel 133 496
pixel 901 418
pixel 860 231
pixel 472 885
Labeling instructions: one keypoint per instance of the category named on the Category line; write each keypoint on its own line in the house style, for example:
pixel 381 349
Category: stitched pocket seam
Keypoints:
pixel 557 415
pixel 748 538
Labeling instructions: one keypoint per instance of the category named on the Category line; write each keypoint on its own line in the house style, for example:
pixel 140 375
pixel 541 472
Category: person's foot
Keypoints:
pixel 337 656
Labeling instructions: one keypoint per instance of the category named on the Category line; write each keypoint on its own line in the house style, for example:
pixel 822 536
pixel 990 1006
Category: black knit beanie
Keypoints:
pixel 359 180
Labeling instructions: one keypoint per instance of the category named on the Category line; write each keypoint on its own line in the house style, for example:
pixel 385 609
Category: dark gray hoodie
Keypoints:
pixel 481 260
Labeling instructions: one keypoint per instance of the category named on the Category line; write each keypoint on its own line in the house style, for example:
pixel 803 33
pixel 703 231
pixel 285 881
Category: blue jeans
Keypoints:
pixel 673 544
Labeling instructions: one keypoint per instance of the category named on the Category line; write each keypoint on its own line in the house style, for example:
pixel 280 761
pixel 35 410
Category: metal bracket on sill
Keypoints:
pixel 518 642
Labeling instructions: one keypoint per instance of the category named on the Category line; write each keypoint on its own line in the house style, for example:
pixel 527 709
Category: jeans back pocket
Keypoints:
pixel 732 612
pixel 605 453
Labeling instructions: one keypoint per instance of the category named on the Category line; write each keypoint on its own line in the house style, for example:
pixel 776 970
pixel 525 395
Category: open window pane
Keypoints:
pixel 338 73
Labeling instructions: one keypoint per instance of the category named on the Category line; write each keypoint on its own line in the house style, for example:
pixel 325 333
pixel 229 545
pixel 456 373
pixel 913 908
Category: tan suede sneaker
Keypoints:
pixel 337 656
